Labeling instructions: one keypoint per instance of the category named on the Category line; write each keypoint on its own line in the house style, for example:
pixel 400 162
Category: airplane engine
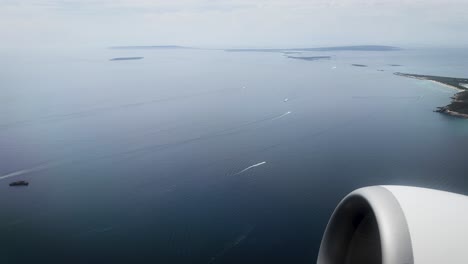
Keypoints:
pixel 397 225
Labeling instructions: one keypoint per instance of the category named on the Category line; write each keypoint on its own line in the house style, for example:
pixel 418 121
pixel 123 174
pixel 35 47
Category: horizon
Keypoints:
pixel 204 23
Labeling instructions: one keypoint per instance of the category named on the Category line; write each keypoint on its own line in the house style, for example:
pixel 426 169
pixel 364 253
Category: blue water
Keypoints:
pixel 193 156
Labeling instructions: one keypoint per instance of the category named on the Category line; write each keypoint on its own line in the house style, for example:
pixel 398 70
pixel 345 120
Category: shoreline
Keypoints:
pixel 459 105
pixel 444 84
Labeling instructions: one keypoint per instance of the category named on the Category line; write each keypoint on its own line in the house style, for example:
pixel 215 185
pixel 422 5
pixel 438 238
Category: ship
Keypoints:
pixel 19 183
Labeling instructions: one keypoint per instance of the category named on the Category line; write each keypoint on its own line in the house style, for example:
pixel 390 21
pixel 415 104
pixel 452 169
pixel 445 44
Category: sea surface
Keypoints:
pixel 207 156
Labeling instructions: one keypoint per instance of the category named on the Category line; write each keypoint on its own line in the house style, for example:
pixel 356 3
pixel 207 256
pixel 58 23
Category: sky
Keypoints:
pixel 233 23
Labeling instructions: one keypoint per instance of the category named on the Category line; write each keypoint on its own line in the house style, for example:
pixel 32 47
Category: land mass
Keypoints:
pixel 459 105
pixel 338 48
pixel 151 47
pixel 126 58
pixel 284 50
pixel 312 58
pixel 359 65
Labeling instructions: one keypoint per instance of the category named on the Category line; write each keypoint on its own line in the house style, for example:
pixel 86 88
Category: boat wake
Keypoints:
pixel 251 167
pixel 220 133
pixel 30 170
pixel 232 244
pixel 281 116
pixel 107 109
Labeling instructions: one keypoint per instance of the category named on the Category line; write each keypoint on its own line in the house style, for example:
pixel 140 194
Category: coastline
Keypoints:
pixel 446 85
pixel 459 105
pixel 456 114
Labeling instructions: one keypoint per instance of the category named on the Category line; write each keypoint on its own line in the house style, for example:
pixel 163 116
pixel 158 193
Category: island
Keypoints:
pixel 338 48
pixel 310 58
pixel 359 65
pixel 459 105
pixel 163 47
pixel 126 58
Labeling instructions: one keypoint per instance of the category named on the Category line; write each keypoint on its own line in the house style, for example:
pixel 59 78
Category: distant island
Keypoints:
pixel 355 48
pixel 126 58
pixel 283 50
pixel 459 105
pixel 151 47
pixel 338 48
pixel 359 65
pixel 312 58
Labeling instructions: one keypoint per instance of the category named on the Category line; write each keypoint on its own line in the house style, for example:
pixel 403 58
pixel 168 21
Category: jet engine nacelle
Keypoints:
pixel 397 225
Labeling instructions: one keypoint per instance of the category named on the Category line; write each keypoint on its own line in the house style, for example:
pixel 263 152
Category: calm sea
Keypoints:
pixel 206 156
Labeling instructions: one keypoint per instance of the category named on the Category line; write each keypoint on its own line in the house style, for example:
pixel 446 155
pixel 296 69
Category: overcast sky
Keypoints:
pixel 235 23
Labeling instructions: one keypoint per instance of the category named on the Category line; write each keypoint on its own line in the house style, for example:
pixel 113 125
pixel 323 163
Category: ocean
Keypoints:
pixel 207 156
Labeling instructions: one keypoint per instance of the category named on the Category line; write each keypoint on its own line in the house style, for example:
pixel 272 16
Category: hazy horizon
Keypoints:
pixel 231 24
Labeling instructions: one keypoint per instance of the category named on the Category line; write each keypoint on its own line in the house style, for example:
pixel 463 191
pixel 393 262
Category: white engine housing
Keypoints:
pixel 397 225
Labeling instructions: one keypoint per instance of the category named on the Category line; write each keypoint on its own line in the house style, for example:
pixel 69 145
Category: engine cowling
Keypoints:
pixel 397 225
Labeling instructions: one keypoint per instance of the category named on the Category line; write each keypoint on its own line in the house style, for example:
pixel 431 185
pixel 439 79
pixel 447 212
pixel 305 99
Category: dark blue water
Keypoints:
pixel 193 156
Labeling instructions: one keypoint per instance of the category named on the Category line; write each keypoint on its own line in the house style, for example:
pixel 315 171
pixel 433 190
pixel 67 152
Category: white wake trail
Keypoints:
pixel 250 167
pixel 281 116
pixel 30 170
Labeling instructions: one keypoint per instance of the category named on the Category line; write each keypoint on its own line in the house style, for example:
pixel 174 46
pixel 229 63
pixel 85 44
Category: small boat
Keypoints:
pixel 19 183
